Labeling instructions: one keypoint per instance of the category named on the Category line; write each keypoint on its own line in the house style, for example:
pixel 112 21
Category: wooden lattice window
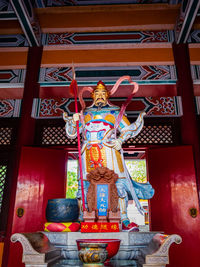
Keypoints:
pixel 8 131
pixel 5 135
pixel 56 136
pixel 153 133
pixel 3 173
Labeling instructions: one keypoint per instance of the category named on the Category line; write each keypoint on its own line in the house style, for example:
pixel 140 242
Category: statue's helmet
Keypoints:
pixel 101 86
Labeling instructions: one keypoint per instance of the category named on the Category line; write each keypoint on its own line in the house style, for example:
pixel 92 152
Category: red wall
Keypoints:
pixel 41 177
pixel 172 174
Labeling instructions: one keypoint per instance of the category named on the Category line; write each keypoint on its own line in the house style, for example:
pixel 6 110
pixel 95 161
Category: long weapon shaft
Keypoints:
pixel 75 87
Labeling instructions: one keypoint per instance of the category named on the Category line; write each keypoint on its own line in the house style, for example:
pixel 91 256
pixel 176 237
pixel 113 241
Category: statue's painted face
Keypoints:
pixel 100 96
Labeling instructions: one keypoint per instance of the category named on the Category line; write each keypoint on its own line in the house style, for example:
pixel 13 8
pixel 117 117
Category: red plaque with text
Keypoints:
pixel 92 227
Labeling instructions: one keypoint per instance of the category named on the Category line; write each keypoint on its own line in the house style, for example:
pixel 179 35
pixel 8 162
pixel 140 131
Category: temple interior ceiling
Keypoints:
pixel 104 40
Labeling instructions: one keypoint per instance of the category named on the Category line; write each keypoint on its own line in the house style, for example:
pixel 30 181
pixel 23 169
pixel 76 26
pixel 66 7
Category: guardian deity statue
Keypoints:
pixel 104 128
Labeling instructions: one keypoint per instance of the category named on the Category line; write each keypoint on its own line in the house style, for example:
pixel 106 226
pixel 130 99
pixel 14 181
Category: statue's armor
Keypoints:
pixel 97 130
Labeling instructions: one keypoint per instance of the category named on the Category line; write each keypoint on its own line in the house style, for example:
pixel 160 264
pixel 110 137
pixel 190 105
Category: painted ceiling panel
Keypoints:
pixel 153 70
pixel 17 40
pixel 5 5
pixel 51 3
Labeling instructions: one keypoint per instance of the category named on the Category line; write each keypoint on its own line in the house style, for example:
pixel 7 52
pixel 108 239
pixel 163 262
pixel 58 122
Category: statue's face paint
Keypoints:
pixel 100 97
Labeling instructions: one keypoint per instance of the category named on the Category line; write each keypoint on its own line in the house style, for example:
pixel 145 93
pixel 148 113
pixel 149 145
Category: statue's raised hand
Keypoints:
pixel 76 117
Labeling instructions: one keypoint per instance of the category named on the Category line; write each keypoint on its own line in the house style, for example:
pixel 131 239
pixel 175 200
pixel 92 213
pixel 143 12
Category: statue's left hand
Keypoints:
pixel 65 116
pixel 117 144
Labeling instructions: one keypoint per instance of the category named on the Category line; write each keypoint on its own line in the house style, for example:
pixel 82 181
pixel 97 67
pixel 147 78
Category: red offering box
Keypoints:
pixel 92 227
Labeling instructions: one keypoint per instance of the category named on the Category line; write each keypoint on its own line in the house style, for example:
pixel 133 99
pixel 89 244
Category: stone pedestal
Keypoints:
pixel 131 246
pixel 145 249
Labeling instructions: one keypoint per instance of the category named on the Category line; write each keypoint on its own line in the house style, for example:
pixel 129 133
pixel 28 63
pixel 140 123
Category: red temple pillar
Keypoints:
pixel 189 126
pixel 31 91
pixel 25 135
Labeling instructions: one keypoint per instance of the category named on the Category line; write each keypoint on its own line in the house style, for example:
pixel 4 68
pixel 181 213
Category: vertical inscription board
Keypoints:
pixel 102 199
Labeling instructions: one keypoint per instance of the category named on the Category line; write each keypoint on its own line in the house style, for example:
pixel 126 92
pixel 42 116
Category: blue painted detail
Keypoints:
pixel 93 110
pixel 121 125
pixel 100 135
pixel 88 136
pixel 5 7
pixel 102 199
pixel 39 3
pixel 13 40
pixel 50 3
pixel 91 83
pixel 194 37
pixel 9 15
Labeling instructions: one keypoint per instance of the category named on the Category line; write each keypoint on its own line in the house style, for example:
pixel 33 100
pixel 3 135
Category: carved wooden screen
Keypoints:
pixel 156 131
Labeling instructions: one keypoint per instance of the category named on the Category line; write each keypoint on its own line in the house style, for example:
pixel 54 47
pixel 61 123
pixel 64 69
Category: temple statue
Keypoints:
pixel 104 128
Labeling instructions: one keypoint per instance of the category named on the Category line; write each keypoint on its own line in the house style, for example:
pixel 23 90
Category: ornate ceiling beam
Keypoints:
pixel 185 20
pixel 27 20
pixel 92 55
pixel 108 55
pixel 10 27
pixel 107 18
pixel 146 90
pixel 194 50
pixel 127 17
pixel 13 58
pixel 98 55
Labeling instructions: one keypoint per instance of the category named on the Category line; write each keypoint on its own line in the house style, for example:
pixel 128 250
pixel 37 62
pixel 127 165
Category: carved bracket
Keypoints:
pixel 157 253
pixel 36 249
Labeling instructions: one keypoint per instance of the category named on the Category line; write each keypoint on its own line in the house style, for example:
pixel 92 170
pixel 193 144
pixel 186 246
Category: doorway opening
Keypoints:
pixel 72 176
pixel 138 172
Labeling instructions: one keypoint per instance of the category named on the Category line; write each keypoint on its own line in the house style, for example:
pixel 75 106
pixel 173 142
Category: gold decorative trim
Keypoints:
pixel 119 161
pixel 125 119
pixel 87 118
pixel 96 154
pixel 110 118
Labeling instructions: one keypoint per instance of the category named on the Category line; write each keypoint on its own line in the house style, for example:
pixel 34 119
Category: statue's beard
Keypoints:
pixel 100 105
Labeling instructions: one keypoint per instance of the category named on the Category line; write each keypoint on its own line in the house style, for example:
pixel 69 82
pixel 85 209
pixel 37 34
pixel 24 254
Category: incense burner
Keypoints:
pixel 112 245
pixel 91 253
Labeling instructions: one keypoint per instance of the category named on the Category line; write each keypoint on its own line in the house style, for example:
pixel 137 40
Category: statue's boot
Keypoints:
pixel 129 226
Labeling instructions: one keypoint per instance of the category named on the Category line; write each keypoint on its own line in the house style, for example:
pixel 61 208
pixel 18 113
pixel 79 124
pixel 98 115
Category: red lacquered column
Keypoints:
pixel 189 126
pixel 25 137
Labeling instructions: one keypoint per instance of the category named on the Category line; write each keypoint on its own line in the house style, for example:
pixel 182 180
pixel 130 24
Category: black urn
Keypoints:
pixel 62 210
